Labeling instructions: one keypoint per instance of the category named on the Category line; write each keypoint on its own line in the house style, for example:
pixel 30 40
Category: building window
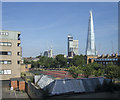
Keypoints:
pixel 1 72
pixel 5 61
pixel 18 62
pixel 18 53
pixel 103 62
pixel 18 36
pixel 7 71
pixel 18 44
pixel 5 44
pixel 3 33
pixel 5 53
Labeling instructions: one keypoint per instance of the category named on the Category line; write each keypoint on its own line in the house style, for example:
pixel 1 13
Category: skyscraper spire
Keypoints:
pixel 91 48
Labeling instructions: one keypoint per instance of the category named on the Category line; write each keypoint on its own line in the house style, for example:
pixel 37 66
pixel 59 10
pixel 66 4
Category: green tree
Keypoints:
pixel 78 60
pixel 98 69
pixel 119 72
pixel 112 71
pixel 74 71
pixel 49 62
pixel 46 61
pixel 87 70
pixel 26 62
pixel 34 64
pixel 60 61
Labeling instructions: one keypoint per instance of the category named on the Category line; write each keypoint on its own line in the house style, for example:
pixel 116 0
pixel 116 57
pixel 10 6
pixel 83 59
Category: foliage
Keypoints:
pixel 78 60
pixel 98 69
pixel 87 70
pixel 112 71
pixel 34 64
pixel 78 66
pixel 61 61
pixel 26 62
pixel 74 71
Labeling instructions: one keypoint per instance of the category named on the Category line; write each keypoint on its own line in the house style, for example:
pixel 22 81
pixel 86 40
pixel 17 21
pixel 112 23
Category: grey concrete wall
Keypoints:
pixel 33 91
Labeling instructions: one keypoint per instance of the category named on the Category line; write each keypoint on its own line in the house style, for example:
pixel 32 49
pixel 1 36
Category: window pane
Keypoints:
pixel 7 71
pixel 5 43
pixel 1 43
pixel 1 71
pixel 9 53
pixel 9 44
pixel 5 62
pixel 9 62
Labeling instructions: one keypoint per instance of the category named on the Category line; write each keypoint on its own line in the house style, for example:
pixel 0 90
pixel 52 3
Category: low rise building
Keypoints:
pixel 106 59
pixel 103 59
pixel 25 67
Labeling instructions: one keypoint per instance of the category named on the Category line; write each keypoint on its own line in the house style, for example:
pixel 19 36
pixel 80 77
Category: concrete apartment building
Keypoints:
pixel 10 54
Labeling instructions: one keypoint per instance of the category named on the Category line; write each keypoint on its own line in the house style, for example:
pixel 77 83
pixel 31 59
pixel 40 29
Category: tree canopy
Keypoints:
pixel 78 60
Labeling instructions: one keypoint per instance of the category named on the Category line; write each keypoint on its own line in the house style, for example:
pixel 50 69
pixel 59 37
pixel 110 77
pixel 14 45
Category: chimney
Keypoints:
pixel 107 55
pixel 112 55
pixel 116 55
pixel 102 55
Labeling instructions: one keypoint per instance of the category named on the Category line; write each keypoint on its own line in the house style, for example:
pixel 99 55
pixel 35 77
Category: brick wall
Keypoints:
pixel 21 85
pixel 14 84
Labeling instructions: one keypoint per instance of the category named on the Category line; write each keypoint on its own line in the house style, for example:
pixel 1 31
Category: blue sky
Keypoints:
pixel 45 24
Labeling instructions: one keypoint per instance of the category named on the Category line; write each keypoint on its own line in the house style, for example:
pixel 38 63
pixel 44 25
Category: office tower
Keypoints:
pixel 90 48
pixel 72 46
pixel 49 53
pixel 46 53
pixel 75 47
pixel 10 54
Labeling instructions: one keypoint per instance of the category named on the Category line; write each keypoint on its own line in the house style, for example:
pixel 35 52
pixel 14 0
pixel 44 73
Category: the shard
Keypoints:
pixel 91 48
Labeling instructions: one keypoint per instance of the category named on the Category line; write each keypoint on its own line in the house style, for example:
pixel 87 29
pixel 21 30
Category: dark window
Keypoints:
pixel 18 44
pixel 5 53
pixel 18 53
pixel 18 36
pixel 5 61
pixel 18 62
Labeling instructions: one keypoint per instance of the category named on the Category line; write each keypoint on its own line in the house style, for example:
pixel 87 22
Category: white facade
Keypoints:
pixel 72 46
pixel 75 47
pixel 50 53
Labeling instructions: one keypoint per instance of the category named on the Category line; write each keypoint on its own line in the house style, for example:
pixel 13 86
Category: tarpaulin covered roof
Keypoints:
pixel 43 80
pixel 62 86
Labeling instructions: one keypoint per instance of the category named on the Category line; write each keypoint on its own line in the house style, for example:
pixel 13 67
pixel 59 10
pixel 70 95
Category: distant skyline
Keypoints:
pixel 43 25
